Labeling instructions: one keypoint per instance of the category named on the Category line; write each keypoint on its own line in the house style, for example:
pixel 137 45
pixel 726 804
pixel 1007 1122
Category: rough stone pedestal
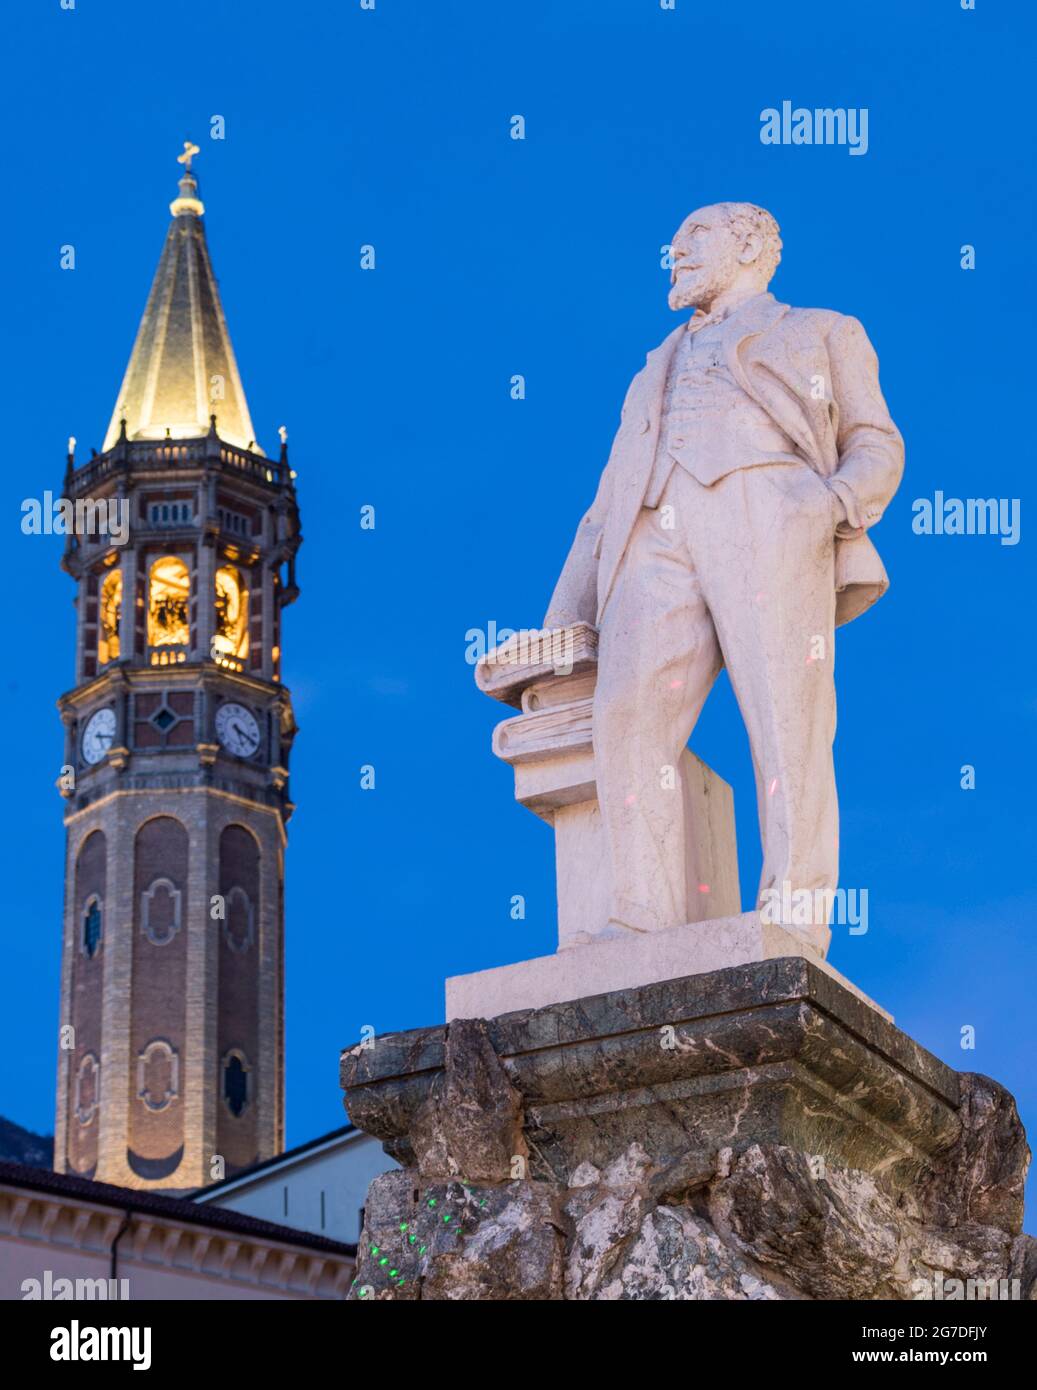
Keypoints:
pixel 753 1133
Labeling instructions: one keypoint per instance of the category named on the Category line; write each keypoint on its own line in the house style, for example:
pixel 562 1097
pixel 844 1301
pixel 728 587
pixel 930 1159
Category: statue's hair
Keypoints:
pixel 744 218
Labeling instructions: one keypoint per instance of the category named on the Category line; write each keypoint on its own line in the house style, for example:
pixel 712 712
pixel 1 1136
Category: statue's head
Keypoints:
pixel 723 247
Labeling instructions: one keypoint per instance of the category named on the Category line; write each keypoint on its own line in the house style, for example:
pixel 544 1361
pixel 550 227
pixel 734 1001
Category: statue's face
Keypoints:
pixel 706 260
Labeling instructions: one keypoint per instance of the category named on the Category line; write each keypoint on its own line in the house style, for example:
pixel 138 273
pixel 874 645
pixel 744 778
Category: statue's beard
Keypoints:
pixel 697 289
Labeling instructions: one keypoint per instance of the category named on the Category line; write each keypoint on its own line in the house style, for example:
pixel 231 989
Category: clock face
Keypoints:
pixel 237 730
pixel 98 735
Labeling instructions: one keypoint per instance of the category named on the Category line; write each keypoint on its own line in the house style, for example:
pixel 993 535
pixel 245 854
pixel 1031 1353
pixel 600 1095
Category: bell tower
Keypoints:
pixel 177 738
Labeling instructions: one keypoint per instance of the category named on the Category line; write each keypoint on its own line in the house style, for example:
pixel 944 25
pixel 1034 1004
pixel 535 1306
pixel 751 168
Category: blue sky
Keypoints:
pixel 538 257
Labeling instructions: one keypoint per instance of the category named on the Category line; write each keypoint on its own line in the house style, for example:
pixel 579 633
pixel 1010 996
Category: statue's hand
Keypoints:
pixel 558 619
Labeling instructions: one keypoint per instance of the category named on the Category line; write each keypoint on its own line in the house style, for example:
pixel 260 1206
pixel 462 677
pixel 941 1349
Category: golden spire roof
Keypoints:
pixel 182 367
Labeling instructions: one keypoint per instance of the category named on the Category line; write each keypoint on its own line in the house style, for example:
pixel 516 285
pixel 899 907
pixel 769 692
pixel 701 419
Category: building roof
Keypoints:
pixel 182 368
pixel 271 1165
pixel 158 1205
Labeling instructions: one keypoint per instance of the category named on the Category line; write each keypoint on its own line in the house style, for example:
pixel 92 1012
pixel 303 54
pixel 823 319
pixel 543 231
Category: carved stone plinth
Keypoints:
pixel 757 1132
pixel 627 963
pixel 550 677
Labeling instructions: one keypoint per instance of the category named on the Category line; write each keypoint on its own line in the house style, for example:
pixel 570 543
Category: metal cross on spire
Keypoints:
pixel 190 150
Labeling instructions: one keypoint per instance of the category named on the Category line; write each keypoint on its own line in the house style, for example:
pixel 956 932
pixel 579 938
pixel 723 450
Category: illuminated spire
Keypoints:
pixel 182 368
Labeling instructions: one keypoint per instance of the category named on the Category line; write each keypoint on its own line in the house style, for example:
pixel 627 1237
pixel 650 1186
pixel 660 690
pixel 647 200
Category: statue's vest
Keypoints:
pixel 710 427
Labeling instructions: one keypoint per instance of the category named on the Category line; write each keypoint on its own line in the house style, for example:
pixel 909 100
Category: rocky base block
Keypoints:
pixel 752 1134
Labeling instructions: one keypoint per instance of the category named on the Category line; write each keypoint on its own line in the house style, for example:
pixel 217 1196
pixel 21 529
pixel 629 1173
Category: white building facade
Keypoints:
pixel 319 1186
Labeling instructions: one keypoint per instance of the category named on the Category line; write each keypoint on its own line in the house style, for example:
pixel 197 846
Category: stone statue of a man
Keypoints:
pixel 754 453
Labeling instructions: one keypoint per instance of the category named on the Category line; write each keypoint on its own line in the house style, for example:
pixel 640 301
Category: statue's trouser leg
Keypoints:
pixel 770 585
pixel 746 571
pixel 658 658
